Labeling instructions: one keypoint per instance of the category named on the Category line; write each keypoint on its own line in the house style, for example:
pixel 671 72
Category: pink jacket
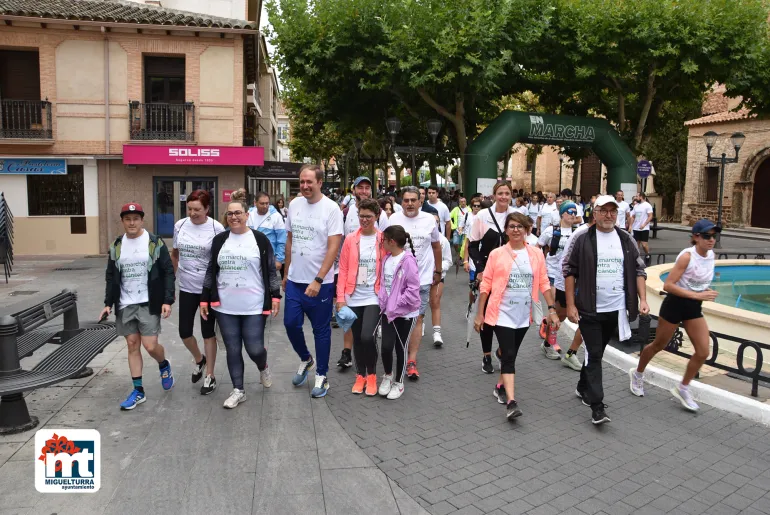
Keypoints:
pixel 497 271
pixel 346 282
pixel 404 295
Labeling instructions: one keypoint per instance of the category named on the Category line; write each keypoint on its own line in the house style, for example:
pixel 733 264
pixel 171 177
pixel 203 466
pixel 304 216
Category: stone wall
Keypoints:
pixel 695 211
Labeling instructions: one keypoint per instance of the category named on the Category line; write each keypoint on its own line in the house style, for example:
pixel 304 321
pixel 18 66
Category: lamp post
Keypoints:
pixel 393 125
pixel 359 143
pixel 562 158
pixel 737 140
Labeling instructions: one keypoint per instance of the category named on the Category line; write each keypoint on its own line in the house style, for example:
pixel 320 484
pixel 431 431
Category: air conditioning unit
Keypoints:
pixel 252 97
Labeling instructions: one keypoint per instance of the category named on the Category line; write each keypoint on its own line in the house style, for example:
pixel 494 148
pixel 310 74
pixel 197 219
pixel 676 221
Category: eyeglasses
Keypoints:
pixel 366 217
pixel 516 227
pixel 231 214
pixel 476 206
pixel 707 236
pixel 572 212
pixel 605 212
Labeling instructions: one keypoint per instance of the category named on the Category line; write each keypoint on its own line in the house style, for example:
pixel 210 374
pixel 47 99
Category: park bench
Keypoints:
pixel 6 237
pixel 23 331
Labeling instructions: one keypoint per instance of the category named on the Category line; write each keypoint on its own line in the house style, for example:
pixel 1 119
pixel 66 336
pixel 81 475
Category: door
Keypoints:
pixel 760 207
pixel 171 201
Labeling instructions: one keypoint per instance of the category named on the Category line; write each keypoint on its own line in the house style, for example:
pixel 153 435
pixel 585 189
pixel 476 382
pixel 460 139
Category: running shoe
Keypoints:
pixel 499 393
pixel 581 397
pixel 544 329
pixel 684 396
pixel 571 361
pixel 335 325
pixel 301 376
pixel 167 377
pixel 512 410
pixel 209 385
pixel 236 397
pixel 321 387
pixel 371 385
pixel 549 351
pixel 346 359
pixel 637 382
pixel 598 415
pixel 358 386
pixel 134 398
pixel 486 365
pixel 437 340
pixel 411 371
pixel 396 391
pixel 265 378
pixel 386 384
pixel 198 369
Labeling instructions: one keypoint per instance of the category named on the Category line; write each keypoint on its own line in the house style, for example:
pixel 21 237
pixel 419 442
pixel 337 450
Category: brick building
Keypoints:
pixel 102 103
pixel 747 182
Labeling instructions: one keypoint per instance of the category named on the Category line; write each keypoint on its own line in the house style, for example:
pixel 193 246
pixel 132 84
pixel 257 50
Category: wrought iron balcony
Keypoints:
pixel 162 121
pixel 26 119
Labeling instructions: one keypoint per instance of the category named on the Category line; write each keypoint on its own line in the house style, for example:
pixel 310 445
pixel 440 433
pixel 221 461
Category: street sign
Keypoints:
pixel 643 168
pixel 416 150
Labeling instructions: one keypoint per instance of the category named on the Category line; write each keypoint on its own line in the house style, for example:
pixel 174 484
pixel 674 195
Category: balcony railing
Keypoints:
pixel 25 119
pixel 162 121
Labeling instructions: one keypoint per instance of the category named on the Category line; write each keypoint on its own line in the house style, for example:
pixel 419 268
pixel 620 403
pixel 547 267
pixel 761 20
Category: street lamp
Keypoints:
pixel 737 140
pixel 394 127
pixel 434 127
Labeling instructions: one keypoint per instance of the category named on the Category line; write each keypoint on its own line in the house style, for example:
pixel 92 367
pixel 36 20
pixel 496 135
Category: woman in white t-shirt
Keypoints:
pixel 357 288
pixel 533 211
pixel 687 285
pixel 242 286
pixel 191 254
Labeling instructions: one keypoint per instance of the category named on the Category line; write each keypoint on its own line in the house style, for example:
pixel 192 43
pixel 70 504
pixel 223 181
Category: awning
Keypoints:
pixel 277 170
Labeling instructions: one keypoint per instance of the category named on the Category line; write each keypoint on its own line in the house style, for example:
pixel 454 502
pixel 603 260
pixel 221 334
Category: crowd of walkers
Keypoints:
pixel 378 265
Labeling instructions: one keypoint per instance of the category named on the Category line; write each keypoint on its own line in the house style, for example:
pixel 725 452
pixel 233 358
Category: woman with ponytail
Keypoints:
pixel 399 299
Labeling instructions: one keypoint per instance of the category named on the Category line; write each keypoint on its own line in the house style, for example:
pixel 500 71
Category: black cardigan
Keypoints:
pixel 267 264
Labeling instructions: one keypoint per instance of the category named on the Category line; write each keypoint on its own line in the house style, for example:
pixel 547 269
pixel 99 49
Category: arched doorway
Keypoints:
pixel 760 207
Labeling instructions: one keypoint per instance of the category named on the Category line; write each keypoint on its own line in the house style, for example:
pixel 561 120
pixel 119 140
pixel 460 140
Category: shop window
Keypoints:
pixel 57 195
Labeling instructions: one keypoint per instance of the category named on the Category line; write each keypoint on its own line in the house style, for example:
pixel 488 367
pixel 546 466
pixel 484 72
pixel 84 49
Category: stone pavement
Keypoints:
pixel 444 447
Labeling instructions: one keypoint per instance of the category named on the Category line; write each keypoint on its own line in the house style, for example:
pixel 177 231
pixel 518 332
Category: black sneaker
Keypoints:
pixel 512 410
pixel 198 370
pixel 346 359
pixel 582 397
pixel 335 325
pixel 486 365
pixel 598 416
pixel 209 385
pixel 499 393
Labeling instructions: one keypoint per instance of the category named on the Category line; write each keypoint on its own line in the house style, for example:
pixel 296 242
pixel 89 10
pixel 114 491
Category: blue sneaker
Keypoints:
pixel 300 377
pixel 321 387
pixel 134 398
pixel 167 377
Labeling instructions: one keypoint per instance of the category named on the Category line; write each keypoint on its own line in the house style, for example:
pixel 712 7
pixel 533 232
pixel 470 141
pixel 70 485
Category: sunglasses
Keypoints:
pixel 476 206
pixel 572 212
pixel 707 236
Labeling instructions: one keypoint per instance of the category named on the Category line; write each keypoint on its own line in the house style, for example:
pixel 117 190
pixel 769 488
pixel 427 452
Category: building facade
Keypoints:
pixel 746 183
pixel 100 108
pixel 547 169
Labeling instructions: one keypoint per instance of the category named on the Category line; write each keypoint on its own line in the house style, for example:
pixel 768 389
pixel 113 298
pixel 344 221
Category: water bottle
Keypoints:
pixel 552 335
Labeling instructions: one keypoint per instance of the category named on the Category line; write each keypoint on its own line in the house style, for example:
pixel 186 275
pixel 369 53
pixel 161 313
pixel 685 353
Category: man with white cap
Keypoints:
pixel 605 270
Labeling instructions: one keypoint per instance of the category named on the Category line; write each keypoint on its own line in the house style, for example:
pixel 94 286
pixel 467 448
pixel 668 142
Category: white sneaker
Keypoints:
pixel 437 340
pixel 550 352
pixel 396 390
pixel 386 384
pixel 237 397
pixel 684 396
pixel 265 378
pixel 637 382
pixel 571 361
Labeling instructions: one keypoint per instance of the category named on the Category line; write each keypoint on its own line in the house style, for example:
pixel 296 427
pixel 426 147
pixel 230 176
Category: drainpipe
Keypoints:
pixel 107 131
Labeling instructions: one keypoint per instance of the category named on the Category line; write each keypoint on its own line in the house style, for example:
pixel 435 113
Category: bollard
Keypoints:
pixel 14 415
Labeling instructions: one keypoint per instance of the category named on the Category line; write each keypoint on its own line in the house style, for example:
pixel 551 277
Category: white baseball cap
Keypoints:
pixel 606 199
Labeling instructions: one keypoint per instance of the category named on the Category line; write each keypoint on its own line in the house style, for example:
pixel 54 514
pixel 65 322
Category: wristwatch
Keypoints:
pixel 439 272
pixel 552 307
pixel 319 280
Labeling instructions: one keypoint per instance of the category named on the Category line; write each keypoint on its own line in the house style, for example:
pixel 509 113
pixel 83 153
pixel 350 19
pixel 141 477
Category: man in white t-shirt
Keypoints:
pixel 362 188
pixel 642 216
pixel 624 211
pixel 546 216
pixel 271 224
pixel 314 234
pixel 424 234
pixel 603 275
pixel 445 219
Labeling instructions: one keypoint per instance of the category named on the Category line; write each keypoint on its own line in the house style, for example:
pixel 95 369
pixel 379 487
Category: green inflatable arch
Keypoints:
pixel 548 129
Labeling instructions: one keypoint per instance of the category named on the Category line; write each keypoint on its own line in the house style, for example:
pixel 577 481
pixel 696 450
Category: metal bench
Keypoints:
pixel 6 237
pixel 19 338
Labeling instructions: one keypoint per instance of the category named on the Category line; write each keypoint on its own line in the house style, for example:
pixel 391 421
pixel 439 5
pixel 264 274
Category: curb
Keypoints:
pixel 716 397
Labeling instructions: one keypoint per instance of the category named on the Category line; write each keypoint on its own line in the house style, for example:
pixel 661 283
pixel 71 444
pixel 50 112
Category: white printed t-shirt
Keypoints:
pixel 423 231
pixel 193 241
pixel 623 210
pixel 443 215
pixel 516 303
pixel 553 264
pixel 310 226
pixel 363 294
pixel 133 261
pixel 547 216
pixel 610 291
pixel 239 282
pixel 641 211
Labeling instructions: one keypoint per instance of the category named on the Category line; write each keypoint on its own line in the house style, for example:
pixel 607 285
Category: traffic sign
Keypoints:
pixel 644 168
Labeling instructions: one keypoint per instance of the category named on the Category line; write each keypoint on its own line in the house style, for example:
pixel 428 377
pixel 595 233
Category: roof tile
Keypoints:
pixel 726 116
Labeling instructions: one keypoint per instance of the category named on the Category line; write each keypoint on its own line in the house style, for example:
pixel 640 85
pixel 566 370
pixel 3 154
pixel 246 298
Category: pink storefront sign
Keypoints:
pixel 193 155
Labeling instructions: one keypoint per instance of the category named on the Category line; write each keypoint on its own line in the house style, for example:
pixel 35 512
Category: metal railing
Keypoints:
pixel 25 119
pixel 6 237
pixel 162 121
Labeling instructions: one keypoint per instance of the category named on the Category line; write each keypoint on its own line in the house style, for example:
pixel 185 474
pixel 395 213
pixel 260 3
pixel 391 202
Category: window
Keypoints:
pixel 56 195
pixel 530 162
pixel 283 132
pixel 164 80
pixel 711 184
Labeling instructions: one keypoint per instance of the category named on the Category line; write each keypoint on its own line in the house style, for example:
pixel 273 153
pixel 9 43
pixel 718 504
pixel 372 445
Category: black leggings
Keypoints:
pixel 509 341
pixel 486 335
pixel 364 339
pixel 396 335
pixel 188 306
